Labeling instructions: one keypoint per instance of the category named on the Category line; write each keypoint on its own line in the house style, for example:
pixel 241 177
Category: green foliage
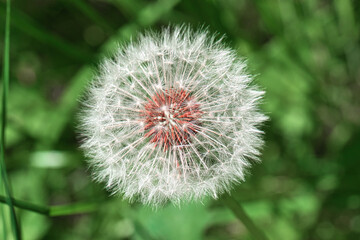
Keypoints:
pixel 305 55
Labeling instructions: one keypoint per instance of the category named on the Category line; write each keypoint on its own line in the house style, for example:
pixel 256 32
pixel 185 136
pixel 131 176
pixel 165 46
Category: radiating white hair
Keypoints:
pixel 171 117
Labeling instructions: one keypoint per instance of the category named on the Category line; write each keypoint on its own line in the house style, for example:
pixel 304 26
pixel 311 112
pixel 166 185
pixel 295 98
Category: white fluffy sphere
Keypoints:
pixel 171 117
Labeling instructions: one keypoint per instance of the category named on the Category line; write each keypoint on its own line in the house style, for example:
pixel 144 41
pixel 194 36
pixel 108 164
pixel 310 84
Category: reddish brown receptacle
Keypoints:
pixel 171 117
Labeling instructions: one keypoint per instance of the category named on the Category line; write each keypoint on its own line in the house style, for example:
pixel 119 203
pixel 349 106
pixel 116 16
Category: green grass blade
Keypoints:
pixel 71 209
pixel 3 217
pixel 53 211
pixel 27 205
pixel 5 87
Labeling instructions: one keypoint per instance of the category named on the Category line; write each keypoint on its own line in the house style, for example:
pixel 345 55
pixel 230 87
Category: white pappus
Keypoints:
pixel 171 117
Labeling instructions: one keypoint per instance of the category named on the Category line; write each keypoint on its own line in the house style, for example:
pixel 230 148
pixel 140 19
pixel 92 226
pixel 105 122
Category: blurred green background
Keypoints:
pixel 304 54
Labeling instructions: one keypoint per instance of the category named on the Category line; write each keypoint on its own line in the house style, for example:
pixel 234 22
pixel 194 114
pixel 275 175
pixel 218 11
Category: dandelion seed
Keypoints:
pixel 172 117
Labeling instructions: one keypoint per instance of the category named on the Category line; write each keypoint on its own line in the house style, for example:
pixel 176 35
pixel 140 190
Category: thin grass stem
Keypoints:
pixel 52 211
pixel 27 206
pixel 5 88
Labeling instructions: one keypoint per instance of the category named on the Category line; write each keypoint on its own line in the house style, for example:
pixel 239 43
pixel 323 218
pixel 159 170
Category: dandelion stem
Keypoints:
pixel 240 213
pixel 53 211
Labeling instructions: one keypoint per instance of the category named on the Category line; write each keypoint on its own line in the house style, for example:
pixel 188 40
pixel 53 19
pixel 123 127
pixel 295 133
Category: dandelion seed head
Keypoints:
pixel 172 116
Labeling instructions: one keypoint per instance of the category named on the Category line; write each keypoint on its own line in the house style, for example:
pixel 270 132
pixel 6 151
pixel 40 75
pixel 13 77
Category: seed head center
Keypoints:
pixel 171 117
